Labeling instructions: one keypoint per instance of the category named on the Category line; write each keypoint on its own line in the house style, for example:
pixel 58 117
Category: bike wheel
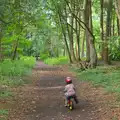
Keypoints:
pixel 71 107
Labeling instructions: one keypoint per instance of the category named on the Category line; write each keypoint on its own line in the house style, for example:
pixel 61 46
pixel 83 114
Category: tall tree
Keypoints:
pixel 102 27
pixel 108 32
pixel 87 20
pixel 90 39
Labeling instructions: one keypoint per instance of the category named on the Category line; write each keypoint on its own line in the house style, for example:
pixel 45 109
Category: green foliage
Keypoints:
pixel 44 56
pixel 3 114
pixel 115 48
pixel 109 78
pixel 28 61
pixel 11 81
pixel 20 23
pixel 115 117
pixel 17 67
pixel 57 61
pixel 5 94
pixel 11 71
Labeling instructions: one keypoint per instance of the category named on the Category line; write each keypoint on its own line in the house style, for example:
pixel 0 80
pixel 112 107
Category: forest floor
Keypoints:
pixel 43 99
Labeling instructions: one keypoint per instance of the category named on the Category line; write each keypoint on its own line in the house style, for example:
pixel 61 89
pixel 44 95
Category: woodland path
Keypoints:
pixel 43 98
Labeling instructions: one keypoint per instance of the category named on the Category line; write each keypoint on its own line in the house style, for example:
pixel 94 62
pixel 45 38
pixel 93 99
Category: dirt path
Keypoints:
pixel 43 99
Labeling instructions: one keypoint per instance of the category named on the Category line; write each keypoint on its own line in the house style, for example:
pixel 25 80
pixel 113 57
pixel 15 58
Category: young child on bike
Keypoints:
pixel 70 90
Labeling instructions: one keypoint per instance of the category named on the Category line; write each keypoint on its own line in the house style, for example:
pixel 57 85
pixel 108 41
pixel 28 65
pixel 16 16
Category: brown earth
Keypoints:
pixel 43 99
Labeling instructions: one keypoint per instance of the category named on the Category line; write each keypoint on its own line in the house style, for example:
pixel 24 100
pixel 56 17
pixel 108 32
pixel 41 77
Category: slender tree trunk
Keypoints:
pixel 71 41
pixel 118 27
pixel 86 19
pixel 65 39
pixel 58 52
pixel 83 46
pixel 66 43
pixel 64 35
pixel 113 24
pixel 71 33
pixel 117 8
pixel 15 50
pixel 69 36
pixel 0 48
pixel 102 28
pixel 78 39
pixel 93 54
pixel 64 51
pixel 108 34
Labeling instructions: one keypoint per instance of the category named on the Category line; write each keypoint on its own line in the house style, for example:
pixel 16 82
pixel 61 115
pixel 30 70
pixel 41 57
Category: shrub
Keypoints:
pixel 4 114
pixel 5 93
pixel 28 61
pixel 17 67
pixel 114 45
pixel 57 61
pixel 11 71
pixel 44 56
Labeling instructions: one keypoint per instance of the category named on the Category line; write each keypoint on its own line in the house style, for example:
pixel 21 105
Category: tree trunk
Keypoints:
pixel 66 43
pixel 117 8
pixel 86 19
pixel 64 35
pixel 71 42
pixel 64 51
pixel 15 50
pixel 113 23
pixel 108 34
pixel 102 28
pixel 67 48
pixel 0 48
pixel 91 51
pixel 93 54
pixel 71 34
pixel 78 40
pixel 118 27
pixel 83 45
